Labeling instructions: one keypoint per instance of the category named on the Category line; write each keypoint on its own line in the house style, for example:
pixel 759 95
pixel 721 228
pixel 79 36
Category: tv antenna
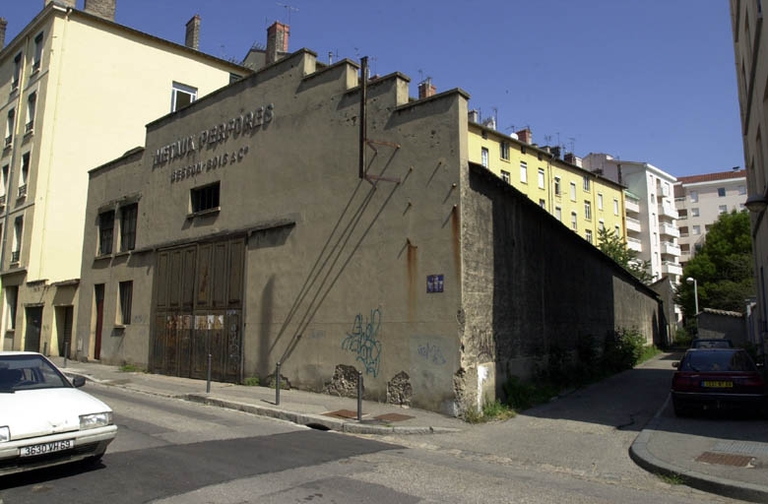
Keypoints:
pixel 289 8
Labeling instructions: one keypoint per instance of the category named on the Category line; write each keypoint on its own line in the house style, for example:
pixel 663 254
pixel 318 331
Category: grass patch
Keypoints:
pixel 492 411
pixel 648 353
pixel 131 368
pixel 252 381
pixel 671 479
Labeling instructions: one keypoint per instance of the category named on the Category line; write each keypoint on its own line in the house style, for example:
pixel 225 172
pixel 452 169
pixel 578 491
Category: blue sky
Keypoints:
pixel 649 81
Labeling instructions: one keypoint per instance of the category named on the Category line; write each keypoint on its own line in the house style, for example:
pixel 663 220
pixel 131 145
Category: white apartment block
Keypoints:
pixel 650 211
pixel 700 200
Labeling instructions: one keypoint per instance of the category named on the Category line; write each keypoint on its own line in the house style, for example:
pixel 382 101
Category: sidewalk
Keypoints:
pixel 722 456
pixel 306 408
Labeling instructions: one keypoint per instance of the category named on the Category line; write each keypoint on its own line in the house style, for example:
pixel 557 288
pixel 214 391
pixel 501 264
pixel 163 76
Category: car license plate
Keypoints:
pixel 717 384
pixel 43 448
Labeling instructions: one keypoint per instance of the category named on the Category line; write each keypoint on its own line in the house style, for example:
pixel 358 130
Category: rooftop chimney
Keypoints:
pixel 277 41
pixel 66 3
pixel 426 89
pixel 3 26
pixel 103 8
pixel 474 116
pixel 192 39
pixel 525 135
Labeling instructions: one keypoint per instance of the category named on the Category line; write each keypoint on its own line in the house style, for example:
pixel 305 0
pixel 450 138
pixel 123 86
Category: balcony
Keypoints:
pixel 668 210
pixel 8 141
pixel 2 200
pixel 632 205
pixel 671 268
pixel 668 229
pixel 669 248
pixel 29 127
pixel 22 190
pixel 634 244
pixel 634 225
pixel 15 256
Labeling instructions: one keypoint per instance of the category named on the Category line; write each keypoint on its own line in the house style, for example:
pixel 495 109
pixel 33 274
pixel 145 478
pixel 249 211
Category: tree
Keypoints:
pixel 614 247
pixel 723 267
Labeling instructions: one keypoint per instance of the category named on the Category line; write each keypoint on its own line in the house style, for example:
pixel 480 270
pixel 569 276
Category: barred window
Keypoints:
pixel 126 299
pixel 128 216
pixel 106 230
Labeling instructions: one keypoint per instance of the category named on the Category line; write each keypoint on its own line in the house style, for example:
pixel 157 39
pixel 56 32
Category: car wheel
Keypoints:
pixel 680 409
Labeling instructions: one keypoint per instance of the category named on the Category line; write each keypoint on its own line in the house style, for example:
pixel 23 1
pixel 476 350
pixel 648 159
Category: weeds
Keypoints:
pixel 252 381
pixel 131 368
pixel 671 479
pixel 492 411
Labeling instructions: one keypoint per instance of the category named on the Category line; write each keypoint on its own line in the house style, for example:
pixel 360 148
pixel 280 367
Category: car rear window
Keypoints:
pixel 717 361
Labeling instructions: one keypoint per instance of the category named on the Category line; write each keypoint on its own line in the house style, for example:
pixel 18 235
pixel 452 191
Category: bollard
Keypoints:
pixel 359 396
pixel 208 385
pixel 66 353
pixel 277 384
pixel 45 349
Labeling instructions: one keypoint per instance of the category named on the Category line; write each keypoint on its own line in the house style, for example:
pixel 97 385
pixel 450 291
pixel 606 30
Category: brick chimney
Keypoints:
pixel 3 26
pixel 277 41
pixel 426 89
pixel 192 40
pixel 525 135
pixel 103 8
pixel 66 3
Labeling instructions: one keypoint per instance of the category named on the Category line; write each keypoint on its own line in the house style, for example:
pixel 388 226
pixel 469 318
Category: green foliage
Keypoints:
pixel 523 395
pixel 623 349
pixel 612 245
pixel 723 268
pixel 251 381
pixel 131 368
pixel 683 338
pixel 491 411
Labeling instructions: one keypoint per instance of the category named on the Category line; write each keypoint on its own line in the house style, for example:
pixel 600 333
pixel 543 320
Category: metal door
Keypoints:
pixel 34 326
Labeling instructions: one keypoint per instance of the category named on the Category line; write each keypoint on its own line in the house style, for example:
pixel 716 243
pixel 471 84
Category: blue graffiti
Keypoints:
pixel 363 341
pixel 432 353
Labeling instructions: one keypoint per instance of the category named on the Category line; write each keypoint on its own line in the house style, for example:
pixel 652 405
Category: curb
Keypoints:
pixel 639 453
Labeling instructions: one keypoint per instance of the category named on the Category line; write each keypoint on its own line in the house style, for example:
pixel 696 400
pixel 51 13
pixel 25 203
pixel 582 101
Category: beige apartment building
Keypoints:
pixel 76 89
pixel 750 42
pixel 700 200
pixel 583 201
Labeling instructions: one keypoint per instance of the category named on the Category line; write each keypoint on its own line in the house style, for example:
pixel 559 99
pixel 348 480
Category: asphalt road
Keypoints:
pixel 172 452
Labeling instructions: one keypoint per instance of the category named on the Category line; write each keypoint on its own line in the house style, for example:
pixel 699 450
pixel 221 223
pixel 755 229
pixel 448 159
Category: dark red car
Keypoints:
pixel 717 378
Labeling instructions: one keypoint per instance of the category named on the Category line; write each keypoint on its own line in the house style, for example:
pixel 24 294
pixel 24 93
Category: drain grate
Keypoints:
pixel 725 459
pixel 342 413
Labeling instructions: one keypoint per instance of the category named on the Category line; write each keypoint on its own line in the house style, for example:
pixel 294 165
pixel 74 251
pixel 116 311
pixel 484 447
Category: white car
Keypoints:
pixel 44 419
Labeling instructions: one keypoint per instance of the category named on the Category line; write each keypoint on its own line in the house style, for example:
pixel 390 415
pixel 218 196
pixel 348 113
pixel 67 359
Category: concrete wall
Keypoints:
pixel 720 325
pixel 531 284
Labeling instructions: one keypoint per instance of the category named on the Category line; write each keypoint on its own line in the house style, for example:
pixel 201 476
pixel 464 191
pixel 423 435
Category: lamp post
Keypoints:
pixel 689 281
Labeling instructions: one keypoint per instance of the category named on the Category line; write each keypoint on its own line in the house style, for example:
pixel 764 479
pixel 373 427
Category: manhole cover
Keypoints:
pixel 342 413
pixel 724 459
pixel 393 417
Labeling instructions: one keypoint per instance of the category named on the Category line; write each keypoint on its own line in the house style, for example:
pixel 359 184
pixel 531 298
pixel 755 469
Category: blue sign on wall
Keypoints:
pixel 434 283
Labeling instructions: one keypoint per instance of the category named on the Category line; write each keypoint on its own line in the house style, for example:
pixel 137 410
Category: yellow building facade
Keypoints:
pixel 76 89
pixel 583 201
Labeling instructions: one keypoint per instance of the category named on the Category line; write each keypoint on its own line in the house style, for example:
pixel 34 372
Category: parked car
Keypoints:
pixel 716 378
pixel 45 420
pixel 711 343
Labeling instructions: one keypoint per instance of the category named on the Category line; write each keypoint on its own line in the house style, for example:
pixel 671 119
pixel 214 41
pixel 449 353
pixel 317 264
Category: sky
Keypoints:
pixel 651 81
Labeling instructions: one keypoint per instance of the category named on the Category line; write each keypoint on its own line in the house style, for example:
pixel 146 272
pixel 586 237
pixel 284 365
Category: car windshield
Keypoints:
pixel 27 372
pixel 712 343
pixel 715 361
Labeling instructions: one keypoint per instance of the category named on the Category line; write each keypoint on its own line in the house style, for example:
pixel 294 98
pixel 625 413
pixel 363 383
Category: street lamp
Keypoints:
pixel 689 281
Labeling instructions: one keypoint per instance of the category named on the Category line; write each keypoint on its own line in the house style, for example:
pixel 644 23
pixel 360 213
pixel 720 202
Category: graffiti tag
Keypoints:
pixel 363 341
pixel 432 353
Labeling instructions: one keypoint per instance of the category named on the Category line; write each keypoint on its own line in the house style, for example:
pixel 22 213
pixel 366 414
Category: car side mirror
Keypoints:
pixel 78 381
pixel 676 364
